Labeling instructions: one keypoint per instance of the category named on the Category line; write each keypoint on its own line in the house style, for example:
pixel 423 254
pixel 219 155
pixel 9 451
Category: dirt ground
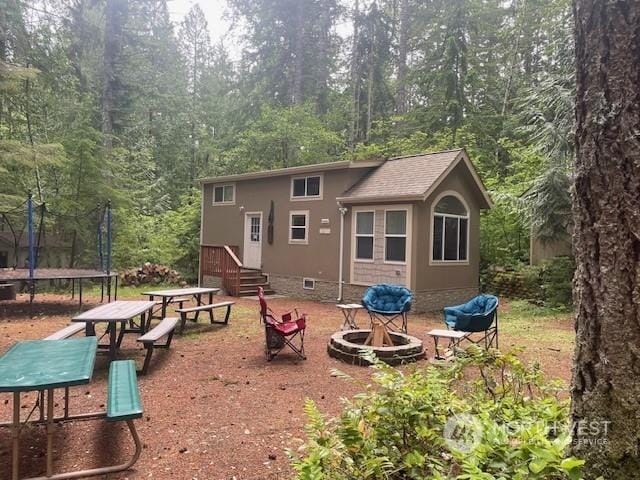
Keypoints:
pixel 214 407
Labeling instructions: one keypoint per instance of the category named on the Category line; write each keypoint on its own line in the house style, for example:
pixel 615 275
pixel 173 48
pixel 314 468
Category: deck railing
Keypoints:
pixel 221 261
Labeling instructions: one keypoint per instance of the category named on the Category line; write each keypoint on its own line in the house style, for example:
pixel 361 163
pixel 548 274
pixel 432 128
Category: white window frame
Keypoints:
pixel 396 235
pixel 213 194
pixel 356 235
pixel 455 194
pixel 313 283
pixel 293 241
pixel 307 197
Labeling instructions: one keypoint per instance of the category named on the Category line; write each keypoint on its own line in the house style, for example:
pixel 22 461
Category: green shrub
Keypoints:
pixel 557 281
pixel 487 417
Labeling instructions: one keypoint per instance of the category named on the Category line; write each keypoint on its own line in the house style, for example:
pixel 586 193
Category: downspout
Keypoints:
pixel 200 276
pixel 343 212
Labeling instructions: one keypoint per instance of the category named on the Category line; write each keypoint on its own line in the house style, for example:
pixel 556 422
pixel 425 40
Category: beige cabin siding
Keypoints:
pixel 448 276
pixel 224 224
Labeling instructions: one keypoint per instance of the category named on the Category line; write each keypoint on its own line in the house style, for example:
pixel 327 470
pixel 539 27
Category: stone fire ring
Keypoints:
pixel 346 345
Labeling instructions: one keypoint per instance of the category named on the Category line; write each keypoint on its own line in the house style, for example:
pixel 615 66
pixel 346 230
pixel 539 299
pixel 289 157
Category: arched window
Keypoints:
pixel 450 230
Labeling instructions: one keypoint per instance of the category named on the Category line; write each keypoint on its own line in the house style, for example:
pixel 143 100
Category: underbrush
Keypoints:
pixel 488 416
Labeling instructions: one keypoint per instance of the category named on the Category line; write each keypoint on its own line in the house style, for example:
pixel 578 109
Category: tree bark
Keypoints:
pixel 115 14
pixel 298 53
pixel 401 95
pixel 355 90
pixel 606 208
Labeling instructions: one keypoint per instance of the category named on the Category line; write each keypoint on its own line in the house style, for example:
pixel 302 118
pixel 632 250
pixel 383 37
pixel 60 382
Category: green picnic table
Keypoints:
pixel 47 365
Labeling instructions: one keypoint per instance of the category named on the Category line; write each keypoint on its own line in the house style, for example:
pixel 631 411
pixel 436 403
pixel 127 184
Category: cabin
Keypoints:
pixel 328 231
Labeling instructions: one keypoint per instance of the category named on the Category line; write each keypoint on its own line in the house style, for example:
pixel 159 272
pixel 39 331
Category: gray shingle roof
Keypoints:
pixel 409 177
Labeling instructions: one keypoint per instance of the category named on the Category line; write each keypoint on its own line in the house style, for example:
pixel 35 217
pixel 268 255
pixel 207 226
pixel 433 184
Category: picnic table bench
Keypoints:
pixel 44 366
pixel 204 308
pixel 66 332
pixel 150 339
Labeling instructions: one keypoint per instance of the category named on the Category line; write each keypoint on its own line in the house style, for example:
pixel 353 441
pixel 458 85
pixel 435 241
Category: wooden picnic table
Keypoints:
pixel 168 295
pixel 44 366
pixel 121 312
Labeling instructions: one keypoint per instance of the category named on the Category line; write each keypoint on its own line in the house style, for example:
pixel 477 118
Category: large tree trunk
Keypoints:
pixel 401 94
pixel 606 376
pixel 355 90
pixel 115 15
pixel 298 52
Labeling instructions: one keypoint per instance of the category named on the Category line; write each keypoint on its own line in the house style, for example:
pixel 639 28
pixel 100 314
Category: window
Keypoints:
pixel 255 229
pixel 450 230
pixel 224 194
pixel 306 187
pixel 299 227
pixel 364 235
pixel 395 235
pixel 308 284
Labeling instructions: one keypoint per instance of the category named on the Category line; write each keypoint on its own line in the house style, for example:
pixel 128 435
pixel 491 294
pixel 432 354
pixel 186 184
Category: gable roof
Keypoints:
pixel 411 178
pixel 300 169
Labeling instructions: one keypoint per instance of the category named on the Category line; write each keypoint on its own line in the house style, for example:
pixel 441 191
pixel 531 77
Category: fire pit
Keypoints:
pixel 346 345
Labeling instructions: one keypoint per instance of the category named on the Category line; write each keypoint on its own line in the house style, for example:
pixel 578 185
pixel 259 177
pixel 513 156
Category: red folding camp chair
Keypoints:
pixel 283 332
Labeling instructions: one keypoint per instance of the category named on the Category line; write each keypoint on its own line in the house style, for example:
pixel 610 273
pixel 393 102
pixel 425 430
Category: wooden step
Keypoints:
pixel 250 292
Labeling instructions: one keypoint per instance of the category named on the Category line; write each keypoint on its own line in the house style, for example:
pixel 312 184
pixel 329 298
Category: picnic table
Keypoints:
pixel 120 312
pixel 168 295
pixel 44 366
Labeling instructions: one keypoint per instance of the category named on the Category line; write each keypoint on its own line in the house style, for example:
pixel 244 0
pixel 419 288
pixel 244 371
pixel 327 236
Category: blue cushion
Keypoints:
pixel 474 316
pixel 387 299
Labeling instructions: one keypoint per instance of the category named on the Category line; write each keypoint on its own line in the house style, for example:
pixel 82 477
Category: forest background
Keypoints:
pixel 111 100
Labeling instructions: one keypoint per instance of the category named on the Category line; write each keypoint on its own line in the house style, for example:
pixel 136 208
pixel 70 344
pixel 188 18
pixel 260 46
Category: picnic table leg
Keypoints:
pixel 163 312
pixel 73 288
pixel 101 290
pixel 49 432
pixel 112 340
pixel 80 291
pixel 15 466
pixel 198 297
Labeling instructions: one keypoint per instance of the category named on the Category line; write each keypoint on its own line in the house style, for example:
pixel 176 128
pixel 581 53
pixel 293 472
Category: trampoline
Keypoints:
pixel 32 273
pixel 74 275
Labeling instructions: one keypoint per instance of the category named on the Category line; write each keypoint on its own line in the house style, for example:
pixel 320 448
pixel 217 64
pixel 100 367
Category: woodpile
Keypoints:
pixel 151 273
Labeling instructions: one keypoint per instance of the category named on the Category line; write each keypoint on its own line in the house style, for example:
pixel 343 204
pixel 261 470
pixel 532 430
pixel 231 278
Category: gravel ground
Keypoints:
pixel 214 408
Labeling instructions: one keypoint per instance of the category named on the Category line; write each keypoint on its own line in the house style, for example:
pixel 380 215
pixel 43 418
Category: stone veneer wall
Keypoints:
pixel 325 291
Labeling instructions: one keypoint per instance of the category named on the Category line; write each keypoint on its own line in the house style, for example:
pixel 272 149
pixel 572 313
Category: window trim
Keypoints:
pixel 447 193
pixel 223 185
pixel 313 283
pixel 306 197
pixel 356 235
pixel 396 235
pixel 293 241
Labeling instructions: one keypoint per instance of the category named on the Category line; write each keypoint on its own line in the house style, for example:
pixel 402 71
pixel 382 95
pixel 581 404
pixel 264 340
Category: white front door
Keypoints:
pixel 252 254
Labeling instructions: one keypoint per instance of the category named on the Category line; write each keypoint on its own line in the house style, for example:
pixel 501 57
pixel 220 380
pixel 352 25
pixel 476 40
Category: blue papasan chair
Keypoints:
pixel 478 315
pixel 388 304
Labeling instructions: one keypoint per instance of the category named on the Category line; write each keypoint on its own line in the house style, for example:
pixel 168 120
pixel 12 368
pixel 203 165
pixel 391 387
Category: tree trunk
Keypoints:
pixel 115 14
pixel 401 95
pixel 370 80
pixel 605 389
pixel 298 52
pixel 355 91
